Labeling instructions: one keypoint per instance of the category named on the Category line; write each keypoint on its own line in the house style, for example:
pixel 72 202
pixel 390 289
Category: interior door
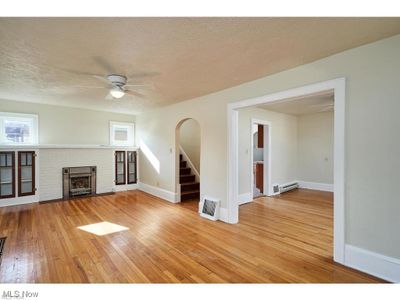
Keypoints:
pixel 26 173
pixel 120 171
pixel 7 174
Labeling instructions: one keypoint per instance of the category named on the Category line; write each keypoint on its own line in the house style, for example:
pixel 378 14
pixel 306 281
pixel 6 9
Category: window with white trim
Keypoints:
pixel 122 134
pixel 18 129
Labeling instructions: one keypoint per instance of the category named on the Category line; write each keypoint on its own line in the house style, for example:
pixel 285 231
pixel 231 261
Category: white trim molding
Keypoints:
pixel 245 198
pixel 327 187
pixel 19 200
pixel 158 192
pixel 223 214
pixel 68 146
pixel 125 187
pixel 338 86
pixel 385 267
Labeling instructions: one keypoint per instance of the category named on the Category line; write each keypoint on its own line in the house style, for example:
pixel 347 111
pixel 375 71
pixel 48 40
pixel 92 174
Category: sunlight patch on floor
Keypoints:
pixel 103 228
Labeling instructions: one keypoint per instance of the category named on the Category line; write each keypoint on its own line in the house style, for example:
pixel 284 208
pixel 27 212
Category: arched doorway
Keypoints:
pixel 187 168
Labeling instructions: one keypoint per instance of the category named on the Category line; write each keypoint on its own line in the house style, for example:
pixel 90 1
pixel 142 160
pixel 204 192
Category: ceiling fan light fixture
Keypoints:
pixel 117 92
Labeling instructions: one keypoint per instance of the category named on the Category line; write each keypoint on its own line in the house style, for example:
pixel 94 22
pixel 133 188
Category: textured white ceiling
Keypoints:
pixel 307 104
pixel 44 59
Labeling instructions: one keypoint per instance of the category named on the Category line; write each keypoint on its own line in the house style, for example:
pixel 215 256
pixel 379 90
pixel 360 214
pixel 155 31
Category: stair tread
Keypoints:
pixel 186 175
pixel 190 192
pixel 188 183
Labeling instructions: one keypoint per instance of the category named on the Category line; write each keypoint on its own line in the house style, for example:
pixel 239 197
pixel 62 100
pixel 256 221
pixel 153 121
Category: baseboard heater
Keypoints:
pixel 288 187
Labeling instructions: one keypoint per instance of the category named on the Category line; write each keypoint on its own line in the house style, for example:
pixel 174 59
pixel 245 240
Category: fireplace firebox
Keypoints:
pixel 79 181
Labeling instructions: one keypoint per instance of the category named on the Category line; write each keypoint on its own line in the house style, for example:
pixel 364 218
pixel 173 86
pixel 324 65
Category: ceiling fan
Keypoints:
pixel 118 86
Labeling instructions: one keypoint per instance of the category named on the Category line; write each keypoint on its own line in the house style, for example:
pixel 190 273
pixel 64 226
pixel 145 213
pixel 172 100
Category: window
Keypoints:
pixel 18 129
pixel 122 134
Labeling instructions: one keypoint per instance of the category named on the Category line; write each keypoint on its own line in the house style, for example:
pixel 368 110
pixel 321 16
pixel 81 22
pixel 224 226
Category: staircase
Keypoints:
pixel 190 189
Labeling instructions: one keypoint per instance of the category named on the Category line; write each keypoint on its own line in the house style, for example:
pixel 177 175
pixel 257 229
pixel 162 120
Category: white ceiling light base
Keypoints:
pixel 118 80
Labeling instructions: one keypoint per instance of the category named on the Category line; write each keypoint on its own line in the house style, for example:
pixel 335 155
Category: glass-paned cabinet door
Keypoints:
pixel 26 173
pixel 7 174
pixel 132 178
pixel 120 167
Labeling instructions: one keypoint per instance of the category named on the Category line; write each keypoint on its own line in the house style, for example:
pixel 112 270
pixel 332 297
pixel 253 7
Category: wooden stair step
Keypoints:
pixel 185 171
pixel 190 195
pixel 190 186
pixel 187 178
pixel 182 164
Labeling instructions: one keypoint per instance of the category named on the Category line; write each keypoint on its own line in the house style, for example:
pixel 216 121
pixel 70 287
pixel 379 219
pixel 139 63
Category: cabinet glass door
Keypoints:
pixel 120 167
pixel 26 173
pixel 7 174
pixel 132 178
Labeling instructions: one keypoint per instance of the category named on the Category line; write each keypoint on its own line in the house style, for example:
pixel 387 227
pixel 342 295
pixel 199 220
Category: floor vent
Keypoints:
pixel 288 187
pixel 209 208
pixel 2 242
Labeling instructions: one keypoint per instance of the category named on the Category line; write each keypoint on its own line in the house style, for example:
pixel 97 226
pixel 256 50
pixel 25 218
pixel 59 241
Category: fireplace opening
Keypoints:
pixel 79 181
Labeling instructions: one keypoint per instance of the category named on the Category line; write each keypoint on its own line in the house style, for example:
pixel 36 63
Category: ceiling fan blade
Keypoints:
pixel 134 93
pixel 108 68
pixel 109 97
pixel 86 87
pixel 149 87
pixel 143 74
pixel 102 78
pixel 137 85
pixel 75 72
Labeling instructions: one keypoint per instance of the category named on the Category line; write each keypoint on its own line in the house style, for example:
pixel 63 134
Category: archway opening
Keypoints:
pixel 187 169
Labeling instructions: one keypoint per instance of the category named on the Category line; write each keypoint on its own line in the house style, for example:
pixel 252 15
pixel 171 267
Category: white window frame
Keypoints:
pixel 131 134
pixel 20 116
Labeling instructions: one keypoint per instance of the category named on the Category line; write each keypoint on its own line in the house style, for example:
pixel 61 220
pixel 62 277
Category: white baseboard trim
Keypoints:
pixel 19 200
pixel 223 215
pixel 245 198
pixel 315 186
pixel 125 187
pixel 385 267
pixel 158 192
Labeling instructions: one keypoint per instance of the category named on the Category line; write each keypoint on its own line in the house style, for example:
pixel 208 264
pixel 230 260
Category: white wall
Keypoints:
pixel 372 144
pixel 315 147
pixel 66 125
pixel 189 134
pixel 284 146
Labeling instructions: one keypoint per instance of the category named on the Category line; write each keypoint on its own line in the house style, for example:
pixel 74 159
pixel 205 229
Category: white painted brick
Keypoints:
pixel 51 162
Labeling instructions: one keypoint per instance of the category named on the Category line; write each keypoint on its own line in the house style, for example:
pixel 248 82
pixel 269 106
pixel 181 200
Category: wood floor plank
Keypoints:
pixel 281 239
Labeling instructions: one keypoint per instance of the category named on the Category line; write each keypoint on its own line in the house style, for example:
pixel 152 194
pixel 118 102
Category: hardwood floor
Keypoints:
pixel 286 239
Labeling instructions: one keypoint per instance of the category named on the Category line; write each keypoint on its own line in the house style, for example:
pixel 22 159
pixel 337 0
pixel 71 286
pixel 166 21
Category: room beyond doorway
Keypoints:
pixel 260 158
pixel 338 88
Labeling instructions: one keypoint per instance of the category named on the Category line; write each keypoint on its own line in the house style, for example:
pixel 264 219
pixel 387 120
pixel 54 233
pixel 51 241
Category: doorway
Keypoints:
pixel 187 170
pixel 337 86
pixel 260 158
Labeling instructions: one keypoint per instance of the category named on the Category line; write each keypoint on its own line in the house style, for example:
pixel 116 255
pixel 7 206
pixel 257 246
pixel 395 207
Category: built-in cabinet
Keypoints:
pixel 120 170
pixel 131 167
pixel 26 174
pixel 125 167
pixel 7 174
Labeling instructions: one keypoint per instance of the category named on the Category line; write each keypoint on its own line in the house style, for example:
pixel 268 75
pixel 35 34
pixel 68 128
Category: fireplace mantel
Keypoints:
pixel 68 146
